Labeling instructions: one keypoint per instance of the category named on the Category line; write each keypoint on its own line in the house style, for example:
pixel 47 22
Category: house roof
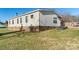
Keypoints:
pixel 40 10
pixel 37 11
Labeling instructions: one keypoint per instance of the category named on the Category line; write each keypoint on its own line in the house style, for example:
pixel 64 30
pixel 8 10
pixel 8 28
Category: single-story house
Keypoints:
pixel 36 20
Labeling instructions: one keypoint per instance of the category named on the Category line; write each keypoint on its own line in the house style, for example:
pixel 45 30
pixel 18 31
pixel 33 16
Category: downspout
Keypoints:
pixel 39 21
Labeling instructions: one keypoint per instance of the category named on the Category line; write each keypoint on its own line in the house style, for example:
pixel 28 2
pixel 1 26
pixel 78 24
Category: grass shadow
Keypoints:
pixel 1 34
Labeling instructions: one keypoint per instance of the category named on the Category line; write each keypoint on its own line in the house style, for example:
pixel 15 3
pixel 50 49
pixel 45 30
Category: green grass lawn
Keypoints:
pixel 54 39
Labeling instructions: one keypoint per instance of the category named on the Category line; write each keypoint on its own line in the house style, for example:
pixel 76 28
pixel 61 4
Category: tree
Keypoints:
pixel 67 17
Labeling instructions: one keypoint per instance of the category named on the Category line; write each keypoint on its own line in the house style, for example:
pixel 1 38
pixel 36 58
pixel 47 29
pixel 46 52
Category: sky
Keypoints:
pixel 8 13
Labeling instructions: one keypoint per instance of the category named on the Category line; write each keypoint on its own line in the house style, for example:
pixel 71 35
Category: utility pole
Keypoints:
pixel 16 14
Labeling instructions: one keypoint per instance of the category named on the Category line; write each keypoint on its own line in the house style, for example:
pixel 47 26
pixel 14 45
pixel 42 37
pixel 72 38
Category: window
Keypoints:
pixel 12 21
pixel 20 20
pixel 54 21
pixel 31 16
pixel 17 21
pixel 26 20
pixel 54 17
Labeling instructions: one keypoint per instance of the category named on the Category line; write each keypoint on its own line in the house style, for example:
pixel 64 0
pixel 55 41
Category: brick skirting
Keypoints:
pixel 29 29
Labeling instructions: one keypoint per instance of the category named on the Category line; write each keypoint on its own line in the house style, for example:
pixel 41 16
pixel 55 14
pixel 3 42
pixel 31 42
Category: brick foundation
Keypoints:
pixel 43 28
pixel 24 28
pixel 30 29
pixel 18 28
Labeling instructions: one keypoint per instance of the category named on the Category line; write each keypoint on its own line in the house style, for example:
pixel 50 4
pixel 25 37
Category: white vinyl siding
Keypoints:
pixel 36 19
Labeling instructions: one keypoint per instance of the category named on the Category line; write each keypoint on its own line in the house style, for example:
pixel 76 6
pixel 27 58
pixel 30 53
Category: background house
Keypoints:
pixel 71 21
pixel 2 25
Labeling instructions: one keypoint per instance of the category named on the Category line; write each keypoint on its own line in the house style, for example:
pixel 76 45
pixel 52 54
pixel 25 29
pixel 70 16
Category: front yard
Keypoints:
pixel 54 39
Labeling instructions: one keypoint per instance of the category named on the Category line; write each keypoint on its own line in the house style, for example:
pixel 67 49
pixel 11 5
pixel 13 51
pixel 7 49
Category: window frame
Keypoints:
pixel 26 19
pixel 20 20
pixel 12 21
pixel 55 21
pixel 32 16
pixel 17 21
pixel 55 18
